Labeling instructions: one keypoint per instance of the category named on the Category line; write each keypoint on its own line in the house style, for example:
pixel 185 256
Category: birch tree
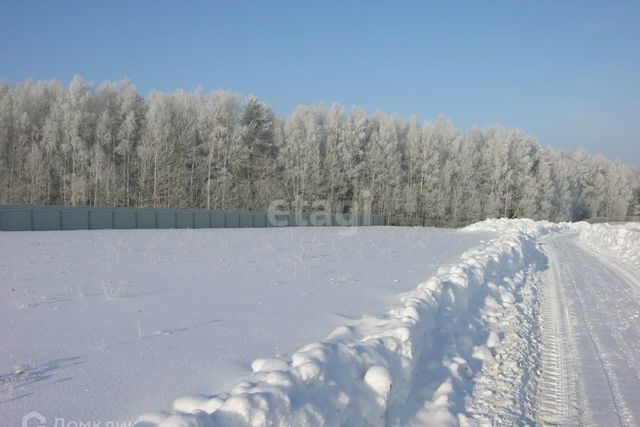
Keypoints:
pixel 108 145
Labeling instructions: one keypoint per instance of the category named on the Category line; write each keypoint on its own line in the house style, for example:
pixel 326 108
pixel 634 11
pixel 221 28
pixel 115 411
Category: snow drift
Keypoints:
pixel 620 240
pixel 427 361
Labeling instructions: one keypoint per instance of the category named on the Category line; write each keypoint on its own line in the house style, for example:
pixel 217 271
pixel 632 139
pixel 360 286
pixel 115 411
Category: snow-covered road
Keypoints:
pixel 590 359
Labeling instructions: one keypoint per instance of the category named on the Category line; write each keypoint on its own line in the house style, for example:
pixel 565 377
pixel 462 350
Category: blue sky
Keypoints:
pixel 567 72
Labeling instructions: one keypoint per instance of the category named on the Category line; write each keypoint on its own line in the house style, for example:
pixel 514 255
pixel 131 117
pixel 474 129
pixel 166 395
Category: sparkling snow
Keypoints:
pixel 107 325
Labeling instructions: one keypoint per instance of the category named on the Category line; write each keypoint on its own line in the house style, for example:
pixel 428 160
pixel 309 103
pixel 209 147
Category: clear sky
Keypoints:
pixel 567 72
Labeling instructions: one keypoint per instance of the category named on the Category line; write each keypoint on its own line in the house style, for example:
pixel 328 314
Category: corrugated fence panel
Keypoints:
pixel 166 219
pixel 16 220
pixel 277 220
pixel 201 219
pixel 343 220
pixel 246 220
pixel 323 219
pixel 232 220
pixel 75 219
pixel 259 220
pixel 184 219
pixel 44 220
pixel 146 218
pixel 41 218
pixel 218 219
pixel 101 219
pixel 124 219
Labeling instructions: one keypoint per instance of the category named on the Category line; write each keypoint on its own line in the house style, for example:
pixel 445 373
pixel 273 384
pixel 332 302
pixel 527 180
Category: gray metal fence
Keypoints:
pixel 41 218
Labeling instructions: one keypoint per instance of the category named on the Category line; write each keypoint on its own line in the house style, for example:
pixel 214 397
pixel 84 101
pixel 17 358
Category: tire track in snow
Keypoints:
pixel 625 270
pixel 604 308
pixel 557 390
pixel 601 306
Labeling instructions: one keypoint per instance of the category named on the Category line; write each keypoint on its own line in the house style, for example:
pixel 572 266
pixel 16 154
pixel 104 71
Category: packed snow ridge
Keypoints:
pixel 438 358
pixel 619 240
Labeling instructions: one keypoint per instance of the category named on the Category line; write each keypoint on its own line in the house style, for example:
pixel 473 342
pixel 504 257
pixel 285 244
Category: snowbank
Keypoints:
pixel 416 364
pixel 621 240
pixel 527 226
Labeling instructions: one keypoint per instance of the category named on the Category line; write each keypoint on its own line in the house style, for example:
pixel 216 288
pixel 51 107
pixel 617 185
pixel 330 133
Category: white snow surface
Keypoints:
pixel 107 325
pixel 505 322
pixel 619 240
pixel 429 360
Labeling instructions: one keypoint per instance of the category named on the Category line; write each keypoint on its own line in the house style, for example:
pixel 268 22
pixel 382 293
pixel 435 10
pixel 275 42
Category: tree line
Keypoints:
pixel 108 145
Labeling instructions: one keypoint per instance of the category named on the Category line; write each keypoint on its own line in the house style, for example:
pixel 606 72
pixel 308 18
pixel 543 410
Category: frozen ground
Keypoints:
pixel 209 302
pixel 507 322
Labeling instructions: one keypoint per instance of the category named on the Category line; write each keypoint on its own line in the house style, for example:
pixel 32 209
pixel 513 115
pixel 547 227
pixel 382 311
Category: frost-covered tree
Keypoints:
pixel 156 153
pixel 336 178
pixel 466 203
pixel 225 155
pixel 383 171
pixel 635 208
pixel 356 136
pixel 76 140
pixel 302 153
pixel 131 114
pixel 412 164
pixel 543 188
pixel 436 176
pixel 521 192
pixel 496 156
pixel 110 146
pixel 257 138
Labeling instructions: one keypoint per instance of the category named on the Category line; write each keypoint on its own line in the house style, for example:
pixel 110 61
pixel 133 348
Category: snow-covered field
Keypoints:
pixel 107 325
pixel 506 322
